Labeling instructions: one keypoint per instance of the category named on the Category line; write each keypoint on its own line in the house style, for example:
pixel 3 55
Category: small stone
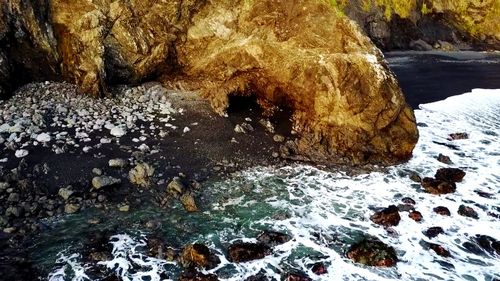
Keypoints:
pixel 43 137
pixel 440 250
pixel 444 159
pixel 319 268
pixel 408 200
pixel 4 185
pixel 450 174
pixel 186 130
pixel 278 138
pixel 117 131
pixel 20 153
pixel 414 176
pixel 387 217
pixel 97 171
pixel 13 211
pixel 467 212
pixel 104 181
pixel 94 221
pixel 9 230
pixel 433 231
pixel 140 174
pixel 117 163
pixel 124 208
pixel 65 193
pixel 71 208
pixel 176 188
pixel 415 215
pixel 101 198
pixel 442 211
pixel 458 136
pixel 188 202
pixel 13 197
pixel 275 155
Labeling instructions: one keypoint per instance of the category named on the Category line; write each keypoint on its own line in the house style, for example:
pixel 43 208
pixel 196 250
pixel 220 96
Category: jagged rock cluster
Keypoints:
pixel 301 55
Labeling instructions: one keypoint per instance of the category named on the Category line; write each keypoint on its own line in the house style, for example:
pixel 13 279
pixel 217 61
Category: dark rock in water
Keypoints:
pixel 414 176
pixel 444 159
pixel 198 255
pixel 408 200
pixel 192 275
pixel 243 252
pixel 97 247
pixel 458 136
pixel 438 187
pixel 319 268
pixel 405 207
pixel 296 277
pixel 157 248
pixel 387 217
pixel 272 238
pixel 433 231
pixel 440 250
pixel 372 252
pixel 487 243
pixel 420 45
pixel 450 174
pixel 484 194
pixel 467 211
pixel 258 277
pixel 415 215
pixel 442 211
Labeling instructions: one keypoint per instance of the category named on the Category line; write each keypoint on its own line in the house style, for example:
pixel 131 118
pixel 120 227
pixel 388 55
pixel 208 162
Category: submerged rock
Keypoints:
pixel 319 268
pixel 296 277
pixel 467 211
pixel 273 238
pixel 440 250
pixel 176 188
pixel 438 187
pixel 387 217
pixel 187 200
pixel 458 136
pixel 450 174
pixel 416 216
pixel 244 252
pixel 442 211
pixel 444 159
pixel 433 231
pixel 193 275
pixel 372 252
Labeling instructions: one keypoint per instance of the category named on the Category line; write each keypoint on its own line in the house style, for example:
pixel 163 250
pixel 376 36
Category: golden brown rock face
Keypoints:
pixel 302 55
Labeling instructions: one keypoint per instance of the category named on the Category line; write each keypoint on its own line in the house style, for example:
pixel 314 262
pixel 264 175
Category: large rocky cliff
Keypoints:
pixel 305 56
pixel 427 24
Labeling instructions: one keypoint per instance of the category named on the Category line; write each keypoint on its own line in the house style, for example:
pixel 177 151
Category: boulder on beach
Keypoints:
pixel 450 174
pixel 438 187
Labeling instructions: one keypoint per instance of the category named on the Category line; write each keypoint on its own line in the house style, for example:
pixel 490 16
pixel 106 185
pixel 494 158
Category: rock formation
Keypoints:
pixel 304 56
pixel 419 24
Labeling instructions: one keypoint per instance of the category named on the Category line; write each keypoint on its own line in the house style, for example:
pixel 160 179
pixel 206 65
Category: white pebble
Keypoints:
pixel 117 131
pixel 43 137
pixel 20 153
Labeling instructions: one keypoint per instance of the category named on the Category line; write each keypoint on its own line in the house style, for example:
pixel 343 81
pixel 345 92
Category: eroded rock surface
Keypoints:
pixel 302 56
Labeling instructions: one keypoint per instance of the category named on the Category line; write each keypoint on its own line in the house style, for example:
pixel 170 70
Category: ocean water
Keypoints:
pixel 326 212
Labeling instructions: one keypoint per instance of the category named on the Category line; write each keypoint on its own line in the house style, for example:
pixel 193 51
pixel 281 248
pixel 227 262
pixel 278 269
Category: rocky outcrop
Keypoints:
pixel 420 24
pixel 304 57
